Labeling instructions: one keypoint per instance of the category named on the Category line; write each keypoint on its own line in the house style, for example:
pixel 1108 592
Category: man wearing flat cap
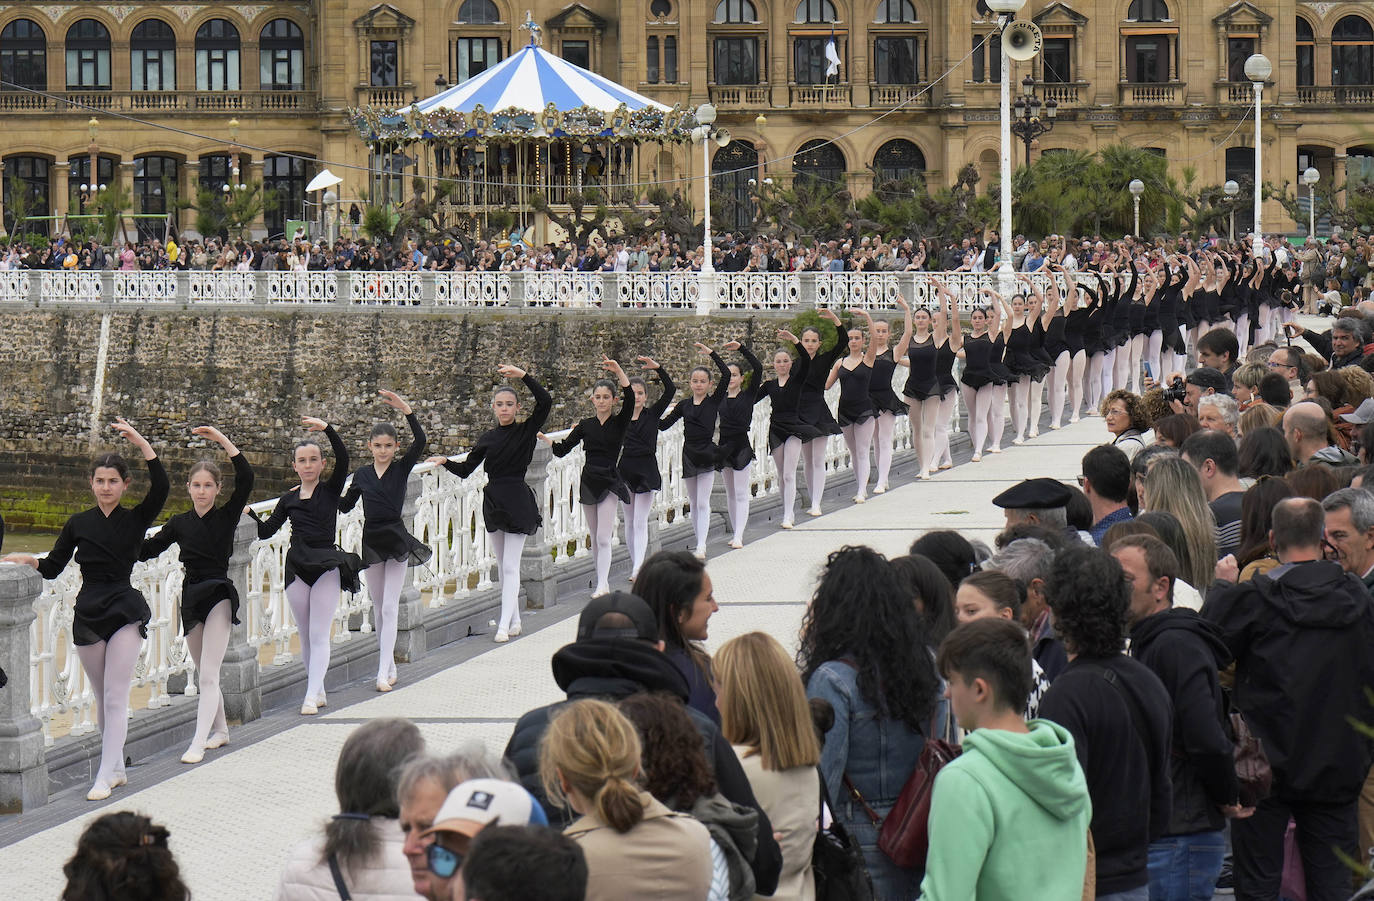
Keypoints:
pixel 1040 502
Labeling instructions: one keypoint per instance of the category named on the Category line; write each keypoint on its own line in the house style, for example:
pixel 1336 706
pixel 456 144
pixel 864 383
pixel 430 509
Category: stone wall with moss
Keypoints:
pixel 255 373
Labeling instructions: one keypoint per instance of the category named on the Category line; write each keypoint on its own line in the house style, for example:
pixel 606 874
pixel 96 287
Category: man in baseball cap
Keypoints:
pixel 468 809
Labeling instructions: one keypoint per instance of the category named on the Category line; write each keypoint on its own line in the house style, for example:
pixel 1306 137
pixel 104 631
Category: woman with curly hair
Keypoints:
pixel 1172 486
pixel 123 857
pixel 1264 452
pixel 1156 407
pixel 859 642
pixel 1126 419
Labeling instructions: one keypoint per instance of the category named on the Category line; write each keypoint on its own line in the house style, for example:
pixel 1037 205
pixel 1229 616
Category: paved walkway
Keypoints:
pixel 233 818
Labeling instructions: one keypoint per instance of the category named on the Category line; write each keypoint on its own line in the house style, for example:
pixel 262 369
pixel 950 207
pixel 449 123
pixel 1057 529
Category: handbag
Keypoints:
pixel 1253 772
pixel 837 861
pixel 904 836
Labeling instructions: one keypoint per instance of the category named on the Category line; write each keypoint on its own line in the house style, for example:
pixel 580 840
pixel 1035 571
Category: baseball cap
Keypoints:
pixel 477 803
pixel 632 607
pixel 1363 413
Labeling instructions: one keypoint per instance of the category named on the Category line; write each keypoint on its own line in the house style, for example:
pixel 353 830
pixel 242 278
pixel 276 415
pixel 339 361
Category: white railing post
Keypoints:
pixel 23 766
pixel 239 674
pixel 537 574
pixel 411 643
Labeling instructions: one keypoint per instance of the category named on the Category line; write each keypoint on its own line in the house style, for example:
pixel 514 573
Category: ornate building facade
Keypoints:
pixel 214 94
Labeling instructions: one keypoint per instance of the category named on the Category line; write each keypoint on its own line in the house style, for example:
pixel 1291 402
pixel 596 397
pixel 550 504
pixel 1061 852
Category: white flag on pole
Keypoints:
pixel 832 56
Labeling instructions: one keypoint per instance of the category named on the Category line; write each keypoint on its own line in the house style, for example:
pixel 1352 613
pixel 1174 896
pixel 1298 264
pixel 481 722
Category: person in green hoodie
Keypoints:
pixel 1009 817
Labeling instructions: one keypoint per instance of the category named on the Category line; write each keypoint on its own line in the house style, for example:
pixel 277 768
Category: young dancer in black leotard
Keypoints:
pixel 977 378
pixel 854 372
pixel 814 411
pixel 316 568
pixel 601 486
pixel 1026 368
pixel 700 456
pixel 639 460
pixel 209 601
pixel 510 511
pixel 786 431
pixel 947 354
pixel 886 404
pixel 388 547
pixel 1002 376
pixel 110 619
pixel 922 337
pixel 736 450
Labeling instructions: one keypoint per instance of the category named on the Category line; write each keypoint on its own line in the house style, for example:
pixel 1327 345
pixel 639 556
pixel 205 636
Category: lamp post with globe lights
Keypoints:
pixel 1006 276
pixel 1231 189
pixel 1136 187
pixel 708 134
pixel 1258 69
pixel 1310 177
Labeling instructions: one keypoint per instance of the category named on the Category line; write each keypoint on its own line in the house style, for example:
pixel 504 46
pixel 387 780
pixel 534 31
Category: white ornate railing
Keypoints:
pixel 302 287
pixel 145 287
pixel 659 290
pixel 15 286
pixel 578 290
pixel 472 289
pixel 448 517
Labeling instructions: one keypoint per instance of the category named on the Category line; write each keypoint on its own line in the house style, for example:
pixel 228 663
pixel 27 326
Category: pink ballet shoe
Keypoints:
pixel 309 709
pixel 515 630
pixel 994 450
pixel 383 685
pixel 501 637
pixel 1018 441
pixel 736 544
pixel 99 792
pixel 976 458
pixel 216 740
pixel 193 755
pixel 786 524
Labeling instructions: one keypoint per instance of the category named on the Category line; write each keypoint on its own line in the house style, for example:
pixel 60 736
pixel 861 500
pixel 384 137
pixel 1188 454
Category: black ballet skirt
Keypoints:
pixel 390 540
pixel 103 608
pixel 638 466
pixel 945 359
pixel 855 407
pixel 977 362
pixel 1020 356
pixel 310 563
pixel 700 461
pixel 736 417
pixel 640 473
pixel 200 596
pixel 922 380
pixel 1001 375
pixel 885 400
pixel 1038 347
pixel 1055 341
pixel 508 505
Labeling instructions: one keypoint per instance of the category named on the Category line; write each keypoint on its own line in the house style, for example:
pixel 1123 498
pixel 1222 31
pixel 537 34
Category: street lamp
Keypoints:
pixel 1310 177
pixel 1231 189
pixel 1258 69
pixel 1027 124
pixel 1136 187
pixel 93 150
pixel 1006 277
pixel 708 134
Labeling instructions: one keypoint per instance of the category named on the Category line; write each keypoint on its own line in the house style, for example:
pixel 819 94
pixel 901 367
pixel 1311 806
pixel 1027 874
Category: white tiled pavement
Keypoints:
pixel 233 818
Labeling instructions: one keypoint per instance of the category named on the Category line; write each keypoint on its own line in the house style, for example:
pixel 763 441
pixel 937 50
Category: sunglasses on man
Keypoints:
pixel 443 862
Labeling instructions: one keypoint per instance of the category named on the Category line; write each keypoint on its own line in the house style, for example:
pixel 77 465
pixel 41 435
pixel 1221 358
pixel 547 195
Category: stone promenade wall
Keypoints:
pixel 255 373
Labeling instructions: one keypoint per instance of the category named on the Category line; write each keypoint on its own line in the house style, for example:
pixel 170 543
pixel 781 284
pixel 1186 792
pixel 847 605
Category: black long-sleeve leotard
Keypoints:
pixel 737 415
pixel 699 451
pixel 639 451
pixel 385 536
pixel 601 443
pixel 784 420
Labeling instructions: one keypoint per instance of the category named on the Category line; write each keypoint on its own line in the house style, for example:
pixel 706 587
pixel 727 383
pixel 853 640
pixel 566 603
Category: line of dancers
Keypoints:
pixel 1083 341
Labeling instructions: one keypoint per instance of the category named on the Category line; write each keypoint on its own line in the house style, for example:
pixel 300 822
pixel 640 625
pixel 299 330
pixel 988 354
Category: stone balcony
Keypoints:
pixel 1168 93
pixel 1337 95
pixel 80 103
pixel 892 95
pixel 818 96
pixel 739 96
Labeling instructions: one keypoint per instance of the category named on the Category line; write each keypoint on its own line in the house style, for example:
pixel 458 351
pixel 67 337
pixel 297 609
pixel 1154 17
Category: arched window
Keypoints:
pixel 154 177
pixel 660 8
pixel 731 169
pixel 1307 53
pixel 281 56
pixel 819 161
pixel 1352 52
pixel 88 56
pixel 285 177
pixel 815 11
pixel 24 57
pixel 215 172
pixel 32 177
pixel 894 12
pixel 897 160
pixel 217 56
pixel 651 56
pixel 735 12
pixel 152 56
pixel 479 12
pixel 1148 11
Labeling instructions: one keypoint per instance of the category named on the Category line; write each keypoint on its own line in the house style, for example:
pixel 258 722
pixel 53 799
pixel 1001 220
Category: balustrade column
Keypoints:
pixel 537 574
pixel 239 675
pixel 411 641
pixel 23 766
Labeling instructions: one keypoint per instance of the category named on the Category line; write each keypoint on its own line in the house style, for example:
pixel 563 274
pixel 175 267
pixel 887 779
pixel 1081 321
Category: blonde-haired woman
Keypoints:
pixel 1172 486
pixel 765 716
pixel 635 847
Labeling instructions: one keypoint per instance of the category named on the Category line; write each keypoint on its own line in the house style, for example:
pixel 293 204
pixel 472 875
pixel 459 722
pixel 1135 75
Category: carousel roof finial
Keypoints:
pixel 536 32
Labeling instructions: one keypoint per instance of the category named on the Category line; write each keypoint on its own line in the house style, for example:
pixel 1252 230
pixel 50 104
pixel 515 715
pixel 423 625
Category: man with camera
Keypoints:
pixel 1182 393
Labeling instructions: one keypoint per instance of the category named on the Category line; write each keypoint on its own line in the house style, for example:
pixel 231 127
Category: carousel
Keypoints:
pixel 526 134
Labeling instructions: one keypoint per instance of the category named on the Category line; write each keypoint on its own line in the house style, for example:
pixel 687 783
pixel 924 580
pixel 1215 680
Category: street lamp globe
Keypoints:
pixel 1231 189
pixel 760 121
pixel 1005 7
pixel 706 114
pixel 1258 68
pixel 1136 187
pixel 1310 176
pixel 93 127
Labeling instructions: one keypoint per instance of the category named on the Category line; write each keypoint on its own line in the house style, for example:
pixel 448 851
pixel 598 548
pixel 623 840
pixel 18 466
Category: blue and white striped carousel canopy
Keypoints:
pixel 530 80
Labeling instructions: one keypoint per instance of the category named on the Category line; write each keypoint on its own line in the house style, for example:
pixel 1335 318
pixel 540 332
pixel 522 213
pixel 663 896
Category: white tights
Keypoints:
pixel 882 446
pixel 859 438
pixel 737 499
pixel 637 527
pixel 977 403
pixel 314 607
pixel 785 457
pixel 997 418
pixel 813 466
pixel 1037 404
pixel 1266 324
pixel 948 404
pixel 1243 333
pixel 1059 385
pixel 1020 407
pixel 1137 351
pixel 925 422
pixel 1121 367
pixel 699 496
pixel 1153 343
pixel 384 583
pixel 508 547
pixel 110 667
pixel 1097 364
pixel 207 642
pixel 601 523
pixel 1077 365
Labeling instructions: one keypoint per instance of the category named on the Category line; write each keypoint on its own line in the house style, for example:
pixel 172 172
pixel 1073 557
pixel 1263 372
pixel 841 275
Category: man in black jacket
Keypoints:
pixel 617 654
pixel 1184 651
pixel 1300 636
pixel 1118 714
